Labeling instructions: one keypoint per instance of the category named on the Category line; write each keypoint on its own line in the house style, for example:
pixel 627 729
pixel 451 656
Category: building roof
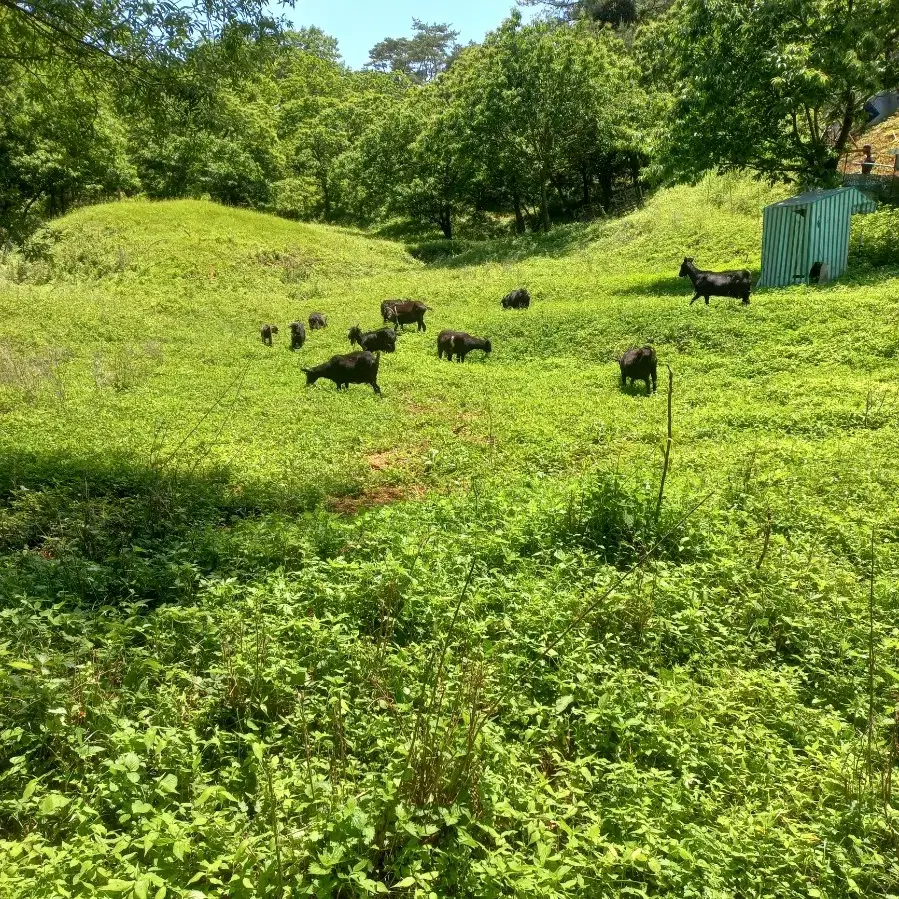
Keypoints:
pixel 860 203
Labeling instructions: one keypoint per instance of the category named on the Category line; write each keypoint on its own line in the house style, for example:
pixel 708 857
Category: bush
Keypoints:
pixel 875 238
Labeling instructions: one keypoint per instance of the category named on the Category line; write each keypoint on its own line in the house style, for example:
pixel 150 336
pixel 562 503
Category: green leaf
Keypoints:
pixel 405 882
pixel 169 783
pixel 139 807
pixel 564 702
pixel 117 886
pixel 52 802
pixel 30 787
pixel 141 888
pixel 19 665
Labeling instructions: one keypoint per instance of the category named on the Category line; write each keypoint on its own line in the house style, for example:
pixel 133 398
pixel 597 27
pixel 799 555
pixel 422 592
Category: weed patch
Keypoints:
pixel 259 639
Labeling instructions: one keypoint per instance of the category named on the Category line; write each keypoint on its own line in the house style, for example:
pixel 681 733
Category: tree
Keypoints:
pixel 542 100
pixel 56 150
pixel 422 57
pixel 72 75
pixel 411 162
pixel 617 13
pixel 225 146
pixel 122 38
pixel 772 87
pixel 323 108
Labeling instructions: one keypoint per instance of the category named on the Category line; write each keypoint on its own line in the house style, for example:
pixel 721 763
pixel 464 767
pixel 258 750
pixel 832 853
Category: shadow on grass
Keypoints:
pixel 660 287
pixel 634 389
pixel 114 531
pixel 561 241
pixel 672 286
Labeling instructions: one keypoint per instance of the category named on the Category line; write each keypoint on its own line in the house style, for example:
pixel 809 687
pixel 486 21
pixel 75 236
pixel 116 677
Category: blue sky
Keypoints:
pixel 359 25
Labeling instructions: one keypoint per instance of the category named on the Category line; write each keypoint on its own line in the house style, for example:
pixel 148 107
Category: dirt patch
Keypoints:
pixel 293 267
pixel 419 409
pixel 403 457
pixel 380 461
pixel 376 496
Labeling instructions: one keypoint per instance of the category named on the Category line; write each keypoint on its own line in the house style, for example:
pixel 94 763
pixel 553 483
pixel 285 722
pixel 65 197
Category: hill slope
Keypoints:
pixel 535 675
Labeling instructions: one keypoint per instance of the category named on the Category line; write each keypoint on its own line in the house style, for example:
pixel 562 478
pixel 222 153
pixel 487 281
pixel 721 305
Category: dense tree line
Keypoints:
pixel 541 121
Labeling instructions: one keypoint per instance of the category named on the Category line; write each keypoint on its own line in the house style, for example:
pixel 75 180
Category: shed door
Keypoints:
pixel 798 243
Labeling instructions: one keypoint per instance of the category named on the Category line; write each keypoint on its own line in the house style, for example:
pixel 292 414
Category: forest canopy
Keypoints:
pixel 569 116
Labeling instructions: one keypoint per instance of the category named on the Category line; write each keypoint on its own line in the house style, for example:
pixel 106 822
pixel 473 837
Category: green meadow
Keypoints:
pixel 259 639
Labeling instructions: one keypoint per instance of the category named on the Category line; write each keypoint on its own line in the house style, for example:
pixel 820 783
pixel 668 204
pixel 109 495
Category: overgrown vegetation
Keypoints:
pixel 260 640
pixel 570 117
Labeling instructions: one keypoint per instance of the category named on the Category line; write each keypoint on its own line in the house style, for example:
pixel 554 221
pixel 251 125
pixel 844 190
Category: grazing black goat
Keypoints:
pixel 360 367
pixel 716 284
pixel 517 299
pixel 639 365
pixel 297 335
pixel 267 331
pixel 460 344
pixel 317 321
pixel 382 339
pixel 404 312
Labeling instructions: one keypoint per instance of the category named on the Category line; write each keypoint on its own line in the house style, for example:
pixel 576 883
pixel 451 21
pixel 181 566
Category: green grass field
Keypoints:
pixel 264 640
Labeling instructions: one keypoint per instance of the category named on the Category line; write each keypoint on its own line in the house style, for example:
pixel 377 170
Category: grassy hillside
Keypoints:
pixel 264 640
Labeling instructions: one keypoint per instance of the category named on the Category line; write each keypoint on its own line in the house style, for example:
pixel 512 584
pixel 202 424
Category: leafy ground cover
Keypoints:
pixel 264 640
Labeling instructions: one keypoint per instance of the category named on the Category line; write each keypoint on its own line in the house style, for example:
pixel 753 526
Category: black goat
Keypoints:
pixel 639 365
pixel 297 335
pixel 386 306
pixel 460 344
pixel 716 284
pixel 317 321
pixel 404 312
pixel 360 367
pixel 517 299
pixel 267 331
pixel 382 339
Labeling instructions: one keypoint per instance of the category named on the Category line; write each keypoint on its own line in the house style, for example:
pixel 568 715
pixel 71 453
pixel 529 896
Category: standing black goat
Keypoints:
pixel 460 344
pixel 404 312
pixel 517 299
pixel 360 367
pixel 736 283
pixel 639 365
pixel 297 335
pixel 266 332
pixel 382 339
pixel 317 321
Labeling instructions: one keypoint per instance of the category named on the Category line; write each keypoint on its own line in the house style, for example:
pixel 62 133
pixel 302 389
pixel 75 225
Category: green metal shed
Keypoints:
pixel 810 228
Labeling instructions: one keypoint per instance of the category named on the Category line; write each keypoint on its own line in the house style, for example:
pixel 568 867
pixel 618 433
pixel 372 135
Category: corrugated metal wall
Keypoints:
pixel 830 232
pixel 784 245
pixel 797 235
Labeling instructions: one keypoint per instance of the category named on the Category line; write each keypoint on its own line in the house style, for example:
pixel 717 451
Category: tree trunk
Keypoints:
pixel 635 176
pixel 585 181
pixel 605 186
pixel 557 186
pixel 544 207
pixel 846 124
pixel 326 197
pixel 446 222
pixel 519 217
